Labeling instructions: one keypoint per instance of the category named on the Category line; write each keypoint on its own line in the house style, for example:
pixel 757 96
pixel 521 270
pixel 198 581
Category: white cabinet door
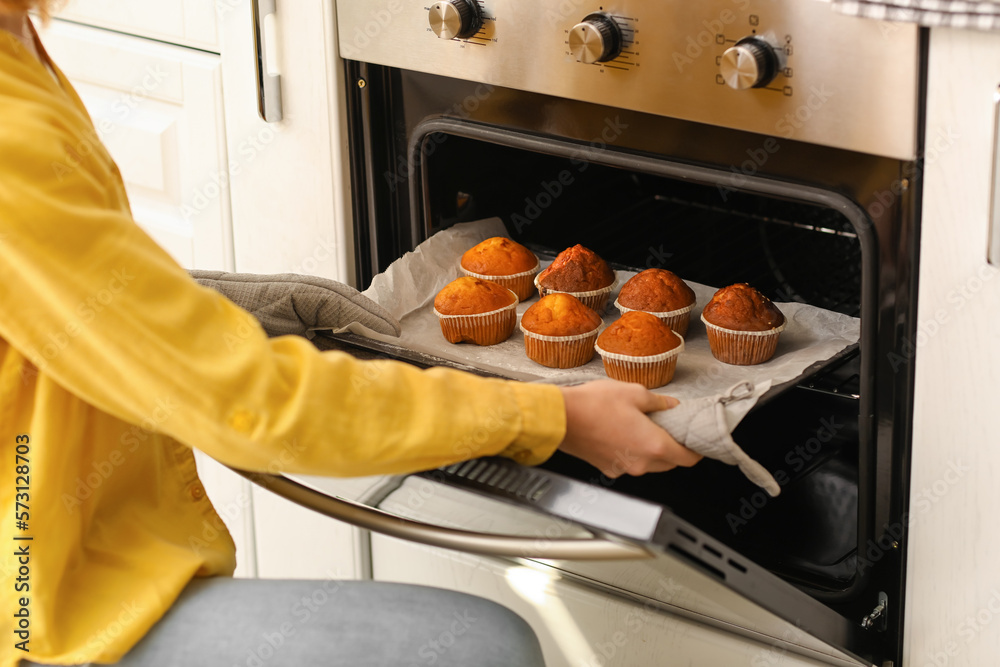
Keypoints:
pixel 952 578
pixel 187 22
pixel 159 110
pixel 296 543
pixel 291 187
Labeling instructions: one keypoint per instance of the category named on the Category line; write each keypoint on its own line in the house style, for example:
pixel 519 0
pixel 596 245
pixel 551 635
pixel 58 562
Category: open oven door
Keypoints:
pixel 617 544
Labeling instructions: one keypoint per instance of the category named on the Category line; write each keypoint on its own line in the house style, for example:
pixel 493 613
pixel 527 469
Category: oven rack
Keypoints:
pixel 808 255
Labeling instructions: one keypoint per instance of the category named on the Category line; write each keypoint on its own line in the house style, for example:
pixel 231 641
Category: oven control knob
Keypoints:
pixel 752 63
pixel 452 19
pixel 596 39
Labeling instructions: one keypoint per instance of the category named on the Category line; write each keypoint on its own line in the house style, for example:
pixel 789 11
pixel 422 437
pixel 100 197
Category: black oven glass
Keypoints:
pixel 790 250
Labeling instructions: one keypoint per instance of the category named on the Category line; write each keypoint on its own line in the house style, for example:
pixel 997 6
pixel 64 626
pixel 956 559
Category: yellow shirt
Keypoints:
pixel 114 364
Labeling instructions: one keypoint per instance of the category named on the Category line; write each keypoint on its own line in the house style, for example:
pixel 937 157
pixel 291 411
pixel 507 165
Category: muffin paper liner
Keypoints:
pixel 678 320
pixel 596 298
pixel 742 348
pixel 489 328
pixel 651 371
pixel 521 284
pixel 560 351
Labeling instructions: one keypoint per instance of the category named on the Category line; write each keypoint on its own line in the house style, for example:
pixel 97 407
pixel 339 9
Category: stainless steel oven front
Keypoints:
pixel 769 141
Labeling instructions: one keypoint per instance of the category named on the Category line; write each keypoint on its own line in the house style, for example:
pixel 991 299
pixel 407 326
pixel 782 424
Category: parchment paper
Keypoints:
pixel 408 287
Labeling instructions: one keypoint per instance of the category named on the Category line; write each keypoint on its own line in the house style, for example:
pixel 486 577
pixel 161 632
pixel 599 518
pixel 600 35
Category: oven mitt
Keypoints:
pixel 288 303
pixel 700 425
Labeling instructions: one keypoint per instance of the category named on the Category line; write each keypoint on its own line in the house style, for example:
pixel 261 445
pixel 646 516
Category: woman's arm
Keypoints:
pixel 99 307
pixel 94 303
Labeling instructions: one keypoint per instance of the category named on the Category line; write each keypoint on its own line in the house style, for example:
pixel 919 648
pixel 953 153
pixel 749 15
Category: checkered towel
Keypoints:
pixel 981 15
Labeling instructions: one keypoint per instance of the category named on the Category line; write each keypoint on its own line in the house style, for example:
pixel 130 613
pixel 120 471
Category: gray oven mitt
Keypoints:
pixel 700 425
pixel 287 303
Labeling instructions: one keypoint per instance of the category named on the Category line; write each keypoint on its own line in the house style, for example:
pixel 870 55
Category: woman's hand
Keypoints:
pixel 607 426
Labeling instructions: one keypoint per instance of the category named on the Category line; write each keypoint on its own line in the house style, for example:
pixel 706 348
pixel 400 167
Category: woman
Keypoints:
pixel 114 363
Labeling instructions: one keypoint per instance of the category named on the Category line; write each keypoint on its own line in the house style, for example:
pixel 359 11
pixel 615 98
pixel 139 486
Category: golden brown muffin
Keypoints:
pixel 499 256
pixel 742 308
pixel 472 296
pixel 559 331
pixel 640 348
pixel 656 291
pixel 577 269
pixel 504 262
pixel 638 334
pixel 560 314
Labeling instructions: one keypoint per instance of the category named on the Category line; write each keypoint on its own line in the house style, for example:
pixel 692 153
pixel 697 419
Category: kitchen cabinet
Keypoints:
pixel 159 109
pixel 186 22
pixel 953 582
pixel 171 87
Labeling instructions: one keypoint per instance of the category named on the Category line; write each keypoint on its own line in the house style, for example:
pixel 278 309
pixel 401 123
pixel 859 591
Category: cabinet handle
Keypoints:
pixel 993 245
pixel 504 546
pixel 268 85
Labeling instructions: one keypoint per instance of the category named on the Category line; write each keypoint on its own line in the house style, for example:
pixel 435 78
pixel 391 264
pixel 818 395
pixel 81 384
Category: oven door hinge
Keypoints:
pixel 878 617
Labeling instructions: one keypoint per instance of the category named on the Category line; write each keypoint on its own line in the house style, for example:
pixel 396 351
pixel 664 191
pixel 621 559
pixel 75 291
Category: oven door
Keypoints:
pixel 610 542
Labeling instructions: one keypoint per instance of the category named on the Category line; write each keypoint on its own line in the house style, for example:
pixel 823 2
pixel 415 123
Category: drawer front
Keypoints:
pixel 159 110
pixel 186 22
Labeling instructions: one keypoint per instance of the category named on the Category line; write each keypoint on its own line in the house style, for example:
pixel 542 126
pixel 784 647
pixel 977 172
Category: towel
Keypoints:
pixel 979 15
pixel 700 424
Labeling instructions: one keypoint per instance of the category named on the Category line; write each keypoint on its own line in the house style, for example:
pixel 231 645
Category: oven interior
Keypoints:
pixel 716 235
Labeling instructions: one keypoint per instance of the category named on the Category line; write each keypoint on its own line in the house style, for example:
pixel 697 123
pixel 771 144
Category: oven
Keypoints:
pixel 764 141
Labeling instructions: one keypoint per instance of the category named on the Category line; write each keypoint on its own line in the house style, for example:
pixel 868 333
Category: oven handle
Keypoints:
pixel 485 544
pixel 268 85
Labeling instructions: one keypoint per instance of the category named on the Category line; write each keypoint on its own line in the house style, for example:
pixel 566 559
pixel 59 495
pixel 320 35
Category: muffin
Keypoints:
pixel 640 348
pixel 743 325
pixel 476 310
pixel 661 293
pixel 504 262
pixel 559 331
pixel 580 272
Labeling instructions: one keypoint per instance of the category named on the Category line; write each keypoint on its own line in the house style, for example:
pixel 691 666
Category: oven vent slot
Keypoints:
pixel 496 476
pixel 736 565
pixel 706 556
pixel 697 562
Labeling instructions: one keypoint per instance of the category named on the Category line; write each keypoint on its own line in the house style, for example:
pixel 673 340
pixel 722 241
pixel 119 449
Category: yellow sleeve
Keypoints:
pixel 98 306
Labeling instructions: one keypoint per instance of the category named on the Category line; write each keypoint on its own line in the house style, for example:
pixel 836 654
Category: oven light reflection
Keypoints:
pixel 528 583
pixel 555 623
